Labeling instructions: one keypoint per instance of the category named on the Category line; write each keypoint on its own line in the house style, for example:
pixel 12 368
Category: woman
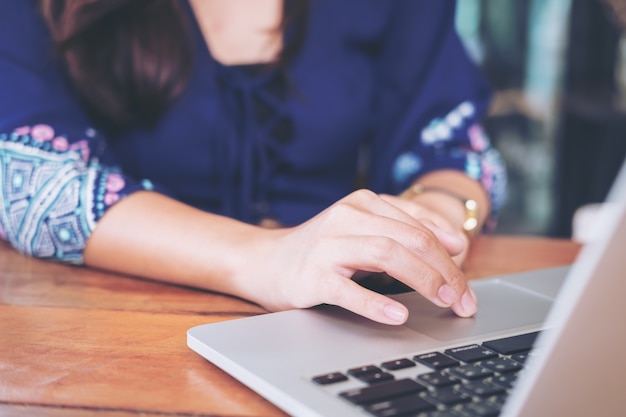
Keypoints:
pixel 219 143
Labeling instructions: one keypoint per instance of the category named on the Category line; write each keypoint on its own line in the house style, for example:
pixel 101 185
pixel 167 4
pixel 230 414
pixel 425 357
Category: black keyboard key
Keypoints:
pixel 330 378
pixel 470 372
pixel 502 365
pixel 381 392
pixel 438 379
pixel 368 369
pixel 481 389
pixel 400 407
pixel 398 364
pixel 447 396
pixel 482 409
pixel 441 413
pixel 471 353
pixel 498 400
pixel 505 380
pixel 375 377
pixel 436 360
pixel 514 344
pixel 520 357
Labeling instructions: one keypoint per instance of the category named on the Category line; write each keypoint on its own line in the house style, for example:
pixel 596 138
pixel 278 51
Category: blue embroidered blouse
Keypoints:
pixel 384 85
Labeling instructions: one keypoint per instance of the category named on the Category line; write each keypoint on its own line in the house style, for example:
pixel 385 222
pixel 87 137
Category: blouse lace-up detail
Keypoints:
pixel 256 126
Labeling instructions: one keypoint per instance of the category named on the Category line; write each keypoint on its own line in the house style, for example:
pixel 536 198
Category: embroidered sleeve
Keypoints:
pixel 458 141
pixel 431 103
pixel 52 193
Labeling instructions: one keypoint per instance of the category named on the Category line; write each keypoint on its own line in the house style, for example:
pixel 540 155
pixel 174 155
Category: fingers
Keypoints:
pixel 454 241
pixel 466 304
pixel 351 296
pixel 430 246
pixel 364 232
pixel 423 266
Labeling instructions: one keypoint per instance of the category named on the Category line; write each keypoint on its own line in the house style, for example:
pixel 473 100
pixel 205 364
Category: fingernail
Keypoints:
pixel 396 313
pixel 468 301
pixel 446 294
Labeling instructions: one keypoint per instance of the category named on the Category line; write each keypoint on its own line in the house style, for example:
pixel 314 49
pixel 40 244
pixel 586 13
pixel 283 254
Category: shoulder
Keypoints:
pixel 421 20
pixel 19 14
pixel 382 21
pixel 362 12
pixel 22 29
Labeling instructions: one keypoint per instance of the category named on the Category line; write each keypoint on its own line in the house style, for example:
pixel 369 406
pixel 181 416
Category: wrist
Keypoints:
pixel 257 259
pixel 460 210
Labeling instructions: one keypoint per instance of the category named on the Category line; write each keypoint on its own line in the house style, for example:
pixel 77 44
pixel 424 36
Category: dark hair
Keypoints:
pixel 129 59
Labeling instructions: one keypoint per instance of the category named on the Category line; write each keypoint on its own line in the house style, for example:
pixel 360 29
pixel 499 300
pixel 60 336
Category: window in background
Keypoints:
pixel 547 61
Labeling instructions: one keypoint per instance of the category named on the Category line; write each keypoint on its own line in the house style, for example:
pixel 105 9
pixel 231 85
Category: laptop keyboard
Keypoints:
pixel 465 381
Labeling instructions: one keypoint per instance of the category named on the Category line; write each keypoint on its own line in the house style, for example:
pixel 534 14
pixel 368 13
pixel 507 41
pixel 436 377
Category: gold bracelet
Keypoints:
pixel 470 223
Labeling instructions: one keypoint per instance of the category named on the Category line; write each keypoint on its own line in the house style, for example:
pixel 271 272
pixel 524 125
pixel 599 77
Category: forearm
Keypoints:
pixel 153 236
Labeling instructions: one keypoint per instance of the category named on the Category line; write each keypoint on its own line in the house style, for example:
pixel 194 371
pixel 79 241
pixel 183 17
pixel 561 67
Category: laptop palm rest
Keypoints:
pixel 516 302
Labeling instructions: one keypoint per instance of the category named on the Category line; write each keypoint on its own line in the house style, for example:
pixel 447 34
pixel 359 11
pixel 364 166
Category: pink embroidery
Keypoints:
pixel 115 183
pixel 24 130
pixel 82 148
pixel 60 143
pixel 111 198
pixel 487 175
pixel 478 139
pixel 42 133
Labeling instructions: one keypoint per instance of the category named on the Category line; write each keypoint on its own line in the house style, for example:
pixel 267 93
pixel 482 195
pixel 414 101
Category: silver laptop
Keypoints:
pixel 549 342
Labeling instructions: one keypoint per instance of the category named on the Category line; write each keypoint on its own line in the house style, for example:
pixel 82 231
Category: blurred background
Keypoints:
pixel 558 68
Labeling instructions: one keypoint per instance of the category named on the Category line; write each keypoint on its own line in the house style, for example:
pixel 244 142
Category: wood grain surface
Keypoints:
pixel 80 342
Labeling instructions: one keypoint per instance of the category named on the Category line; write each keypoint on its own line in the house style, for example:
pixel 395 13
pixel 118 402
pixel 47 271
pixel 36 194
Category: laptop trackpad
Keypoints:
pixel 501 306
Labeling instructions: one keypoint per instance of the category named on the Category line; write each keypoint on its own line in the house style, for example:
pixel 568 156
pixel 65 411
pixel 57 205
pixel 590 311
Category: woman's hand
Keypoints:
pixel 426 214
pixel 153 236
pixel 313 263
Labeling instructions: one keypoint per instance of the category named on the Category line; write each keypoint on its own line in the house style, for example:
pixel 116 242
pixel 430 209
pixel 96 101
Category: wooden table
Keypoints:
pixel 78 342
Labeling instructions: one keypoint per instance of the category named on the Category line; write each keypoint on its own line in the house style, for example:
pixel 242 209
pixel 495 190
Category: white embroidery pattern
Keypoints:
pixel 46 202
